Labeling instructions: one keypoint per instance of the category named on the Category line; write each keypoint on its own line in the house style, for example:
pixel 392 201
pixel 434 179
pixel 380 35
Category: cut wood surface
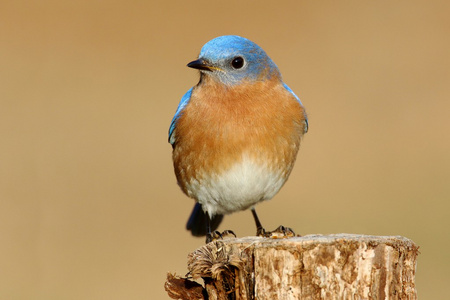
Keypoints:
pixel 340 266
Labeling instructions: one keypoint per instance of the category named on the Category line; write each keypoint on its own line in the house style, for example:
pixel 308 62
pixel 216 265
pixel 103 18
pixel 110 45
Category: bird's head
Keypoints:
pixel 232 60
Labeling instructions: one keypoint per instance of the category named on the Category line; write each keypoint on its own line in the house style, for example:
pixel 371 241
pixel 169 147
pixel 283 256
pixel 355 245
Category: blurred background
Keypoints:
pixel 89 205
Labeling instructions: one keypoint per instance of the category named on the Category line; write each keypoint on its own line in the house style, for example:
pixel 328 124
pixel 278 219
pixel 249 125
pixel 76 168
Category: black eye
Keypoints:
pixel 238 62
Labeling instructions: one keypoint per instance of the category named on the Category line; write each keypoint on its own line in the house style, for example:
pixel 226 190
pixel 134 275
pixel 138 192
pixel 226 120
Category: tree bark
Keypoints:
pixel 341 266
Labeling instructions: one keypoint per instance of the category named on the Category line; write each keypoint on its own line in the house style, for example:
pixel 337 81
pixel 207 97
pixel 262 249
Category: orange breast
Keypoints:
pixel 220 124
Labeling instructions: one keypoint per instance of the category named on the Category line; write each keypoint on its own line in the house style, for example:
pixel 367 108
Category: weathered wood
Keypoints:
pixel 341 266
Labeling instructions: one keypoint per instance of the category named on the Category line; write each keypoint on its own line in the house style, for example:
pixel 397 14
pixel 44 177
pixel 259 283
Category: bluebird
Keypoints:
pixel 235 135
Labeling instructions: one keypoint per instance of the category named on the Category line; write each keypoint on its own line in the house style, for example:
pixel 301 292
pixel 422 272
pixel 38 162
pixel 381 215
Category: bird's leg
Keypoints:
pixel 280 232
pixel 260 231
pixel 209 235
pixel 212 236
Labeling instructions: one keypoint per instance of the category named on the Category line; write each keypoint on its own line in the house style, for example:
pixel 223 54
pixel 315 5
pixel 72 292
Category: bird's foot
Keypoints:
pixel 280 233
pixel 216 235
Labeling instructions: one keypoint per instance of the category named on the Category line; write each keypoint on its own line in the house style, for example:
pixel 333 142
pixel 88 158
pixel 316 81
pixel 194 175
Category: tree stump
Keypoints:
pixel 341 266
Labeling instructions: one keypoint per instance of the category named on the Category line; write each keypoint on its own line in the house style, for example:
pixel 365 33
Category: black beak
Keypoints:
pixel 200 65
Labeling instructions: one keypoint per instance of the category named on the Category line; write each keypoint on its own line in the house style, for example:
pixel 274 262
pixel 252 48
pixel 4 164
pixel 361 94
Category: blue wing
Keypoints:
pixel 298 99
pixel 184 101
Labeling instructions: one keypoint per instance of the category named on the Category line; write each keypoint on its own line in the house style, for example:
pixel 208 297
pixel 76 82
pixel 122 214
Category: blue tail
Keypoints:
pixel 198 220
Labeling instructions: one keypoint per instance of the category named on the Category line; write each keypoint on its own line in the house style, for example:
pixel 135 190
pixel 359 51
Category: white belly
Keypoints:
pixel 242 186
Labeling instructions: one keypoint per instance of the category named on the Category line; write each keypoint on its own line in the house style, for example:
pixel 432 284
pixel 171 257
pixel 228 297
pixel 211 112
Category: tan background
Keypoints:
pixel 89 207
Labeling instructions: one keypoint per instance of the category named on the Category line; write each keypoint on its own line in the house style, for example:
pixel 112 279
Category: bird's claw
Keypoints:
pixel 216 235
pixel 280 233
